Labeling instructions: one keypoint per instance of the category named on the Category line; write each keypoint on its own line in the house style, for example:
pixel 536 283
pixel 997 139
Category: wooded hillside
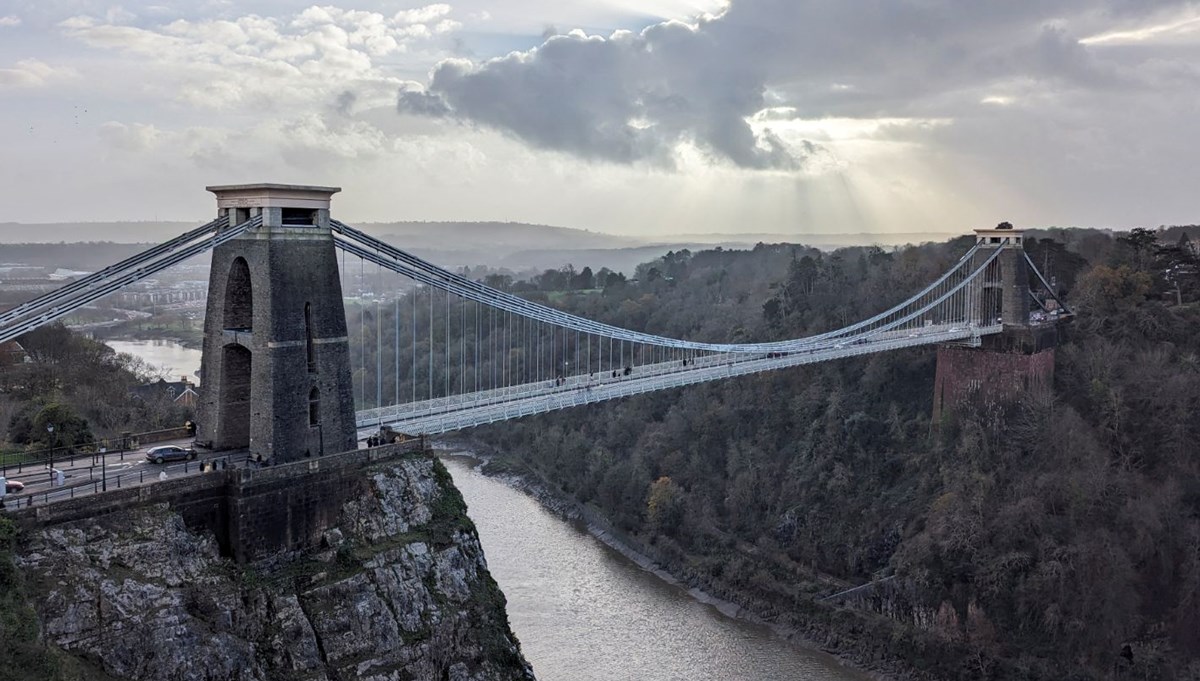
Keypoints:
pixel 1056 537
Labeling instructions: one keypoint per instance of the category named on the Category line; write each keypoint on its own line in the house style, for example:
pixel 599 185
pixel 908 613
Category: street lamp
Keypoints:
pixel 50 429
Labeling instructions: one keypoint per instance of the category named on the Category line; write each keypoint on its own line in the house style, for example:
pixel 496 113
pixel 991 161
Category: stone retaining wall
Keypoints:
pixel 253 512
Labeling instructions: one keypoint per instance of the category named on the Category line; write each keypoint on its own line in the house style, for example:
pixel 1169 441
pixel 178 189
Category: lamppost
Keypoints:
pixel 50 430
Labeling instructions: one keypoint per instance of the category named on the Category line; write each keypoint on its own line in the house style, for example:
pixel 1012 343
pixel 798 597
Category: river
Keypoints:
pixel 166 355
pixel 584 612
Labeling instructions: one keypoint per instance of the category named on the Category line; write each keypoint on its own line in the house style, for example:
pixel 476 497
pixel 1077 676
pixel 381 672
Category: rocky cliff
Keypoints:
pixel 399 589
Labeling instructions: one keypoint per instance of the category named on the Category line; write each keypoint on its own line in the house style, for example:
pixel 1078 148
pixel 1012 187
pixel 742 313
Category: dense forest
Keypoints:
pixel 1054 537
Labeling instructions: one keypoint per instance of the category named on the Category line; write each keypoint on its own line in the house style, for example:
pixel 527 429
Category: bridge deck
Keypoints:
pixel 473 409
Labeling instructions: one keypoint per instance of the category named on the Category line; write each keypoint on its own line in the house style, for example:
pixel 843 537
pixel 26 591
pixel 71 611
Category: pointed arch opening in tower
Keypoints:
pixel 237 395
pixel 239 296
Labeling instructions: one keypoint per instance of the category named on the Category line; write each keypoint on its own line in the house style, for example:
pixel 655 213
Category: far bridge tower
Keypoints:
pixel 276 368
pixel 1019 359
pixel 1003 298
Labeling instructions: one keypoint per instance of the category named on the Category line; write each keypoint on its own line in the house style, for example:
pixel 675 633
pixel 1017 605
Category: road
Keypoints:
pixel 86 475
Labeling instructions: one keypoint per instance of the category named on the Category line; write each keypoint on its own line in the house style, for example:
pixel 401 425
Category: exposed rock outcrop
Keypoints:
pixel 399 590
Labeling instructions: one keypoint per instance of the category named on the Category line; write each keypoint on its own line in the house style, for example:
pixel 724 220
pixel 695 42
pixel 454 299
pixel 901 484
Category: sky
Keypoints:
pixel 634 117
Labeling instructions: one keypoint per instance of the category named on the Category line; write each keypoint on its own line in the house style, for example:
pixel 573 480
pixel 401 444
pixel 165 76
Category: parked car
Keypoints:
pixel 13 486
pixel 170 453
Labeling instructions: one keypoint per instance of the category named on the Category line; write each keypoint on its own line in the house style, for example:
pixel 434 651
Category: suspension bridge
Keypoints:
pixel 438 352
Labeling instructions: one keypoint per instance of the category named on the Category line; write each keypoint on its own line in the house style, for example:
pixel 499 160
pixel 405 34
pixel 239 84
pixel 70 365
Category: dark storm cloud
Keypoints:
pixel 626 98
pixel 634 97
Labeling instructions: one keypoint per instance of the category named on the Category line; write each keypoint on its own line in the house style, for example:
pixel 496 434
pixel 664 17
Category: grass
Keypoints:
pixel 14 457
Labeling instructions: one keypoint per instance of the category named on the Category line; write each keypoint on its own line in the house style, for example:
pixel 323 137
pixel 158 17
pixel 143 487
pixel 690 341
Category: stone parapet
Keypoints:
pixel 253 512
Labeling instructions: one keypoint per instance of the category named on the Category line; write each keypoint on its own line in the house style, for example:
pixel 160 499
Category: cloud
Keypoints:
pixel 416 100
pixel 34 73
pixel 9 21
pixel 303 141
pixel 634 97
pixel 626 98
pixel 1175 29
pixel 777 114
pixel 321 55
pixel 137 137
pixel 344 104
pixel 422 15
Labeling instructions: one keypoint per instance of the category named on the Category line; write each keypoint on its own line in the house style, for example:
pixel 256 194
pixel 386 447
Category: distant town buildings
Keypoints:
pixel 11 353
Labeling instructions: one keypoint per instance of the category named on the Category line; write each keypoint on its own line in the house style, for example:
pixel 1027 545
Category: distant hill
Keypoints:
pixel 512 245
pixel 506 236
pixel 72 232
pixel 825 241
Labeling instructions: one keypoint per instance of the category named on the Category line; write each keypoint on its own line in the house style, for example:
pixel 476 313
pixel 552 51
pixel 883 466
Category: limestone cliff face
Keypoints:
pixel 399 590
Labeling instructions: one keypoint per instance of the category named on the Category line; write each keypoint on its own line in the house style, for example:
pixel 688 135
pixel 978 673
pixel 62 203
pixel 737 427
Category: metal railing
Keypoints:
pixel 119 446
pixel 99 482
pixel 469 414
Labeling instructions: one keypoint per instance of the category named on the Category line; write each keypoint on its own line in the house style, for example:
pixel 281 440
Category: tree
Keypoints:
pixel 1057 263
pixel 584 280
pixel 1141 242
pixel 608 279
pixel 664 505
pixel 499 281
pixel 1179 268
pixel 70 428
pixel 1110 289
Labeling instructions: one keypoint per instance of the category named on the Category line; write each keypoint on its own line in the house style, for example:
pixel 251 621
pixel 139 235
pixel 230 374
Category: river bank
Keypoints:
pixel 842 648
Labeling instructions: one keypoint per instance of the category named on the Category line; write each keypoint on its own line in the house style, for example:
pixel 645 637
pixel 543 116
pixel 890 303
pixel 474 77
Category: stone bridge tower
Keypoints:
pixel 1017 360
pixel 275 373
pixel 1004 297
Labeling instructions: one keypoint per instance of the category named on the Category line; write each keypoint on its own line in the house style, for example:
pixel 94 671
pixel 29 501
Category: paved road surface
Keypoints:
pixel 86 475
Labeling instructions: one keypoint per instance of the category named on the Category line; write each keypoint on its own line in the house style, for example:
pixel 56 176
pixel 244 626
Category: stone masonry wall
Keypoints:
pixel 988 376
pixel 290 507
pixel 252 512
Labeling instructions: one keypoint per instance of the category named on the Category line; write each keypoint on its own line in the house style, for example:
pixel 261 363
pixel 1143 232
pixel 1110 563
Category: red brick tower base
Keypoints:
pixel 1002 370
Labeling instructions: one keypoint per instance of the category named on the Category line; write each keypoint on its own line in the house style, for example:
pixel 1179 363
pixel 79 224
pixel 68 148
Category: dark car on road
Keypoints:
pixel 170 453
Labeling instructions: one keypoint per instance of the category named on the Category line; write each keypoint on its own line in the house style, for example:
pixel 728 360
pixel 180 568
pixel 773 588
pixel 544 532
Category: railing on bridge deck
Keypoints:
pixel 540 399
